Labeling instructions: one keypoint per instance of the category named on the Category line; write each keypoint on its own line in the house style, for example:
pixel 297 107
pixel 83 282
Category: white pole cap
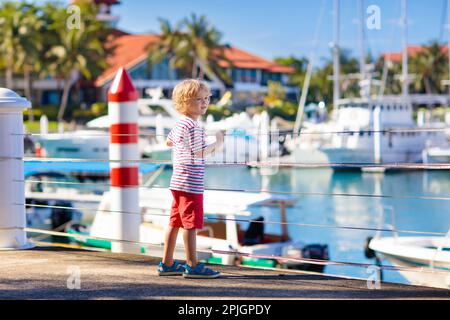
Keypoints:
pixel 11 101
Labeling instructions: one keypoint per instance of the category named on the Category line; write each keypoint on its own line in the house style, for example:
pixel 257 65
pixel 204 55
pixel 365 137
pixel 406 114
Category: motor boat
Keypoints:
pixel 51 186
pixel 430 253
pixel 349 137
pixel 422 260
pixel 222 240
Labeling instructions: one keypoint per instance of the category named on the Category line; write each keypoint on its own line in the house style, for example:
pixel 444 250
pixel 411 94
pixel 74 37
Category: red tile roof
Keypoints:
pixel 132 49
pixel 242 59
pixel 128 51
pixel 412 51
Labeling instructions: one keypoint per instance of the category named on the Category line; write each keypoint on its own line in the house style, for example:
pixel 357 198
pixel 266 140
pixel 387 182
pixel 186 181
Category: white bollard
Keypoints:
pixel 124 191
pixel 264 148
pixel 12 192
pixel 60 127
pixel 264 136
pixel 43 122
pixel 160 138
pixel 377 135
pixel 420 118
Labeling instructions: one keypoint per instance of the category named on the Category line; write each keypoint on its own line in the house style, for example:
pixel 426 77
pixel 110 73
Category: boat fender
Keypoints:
pixel 369 253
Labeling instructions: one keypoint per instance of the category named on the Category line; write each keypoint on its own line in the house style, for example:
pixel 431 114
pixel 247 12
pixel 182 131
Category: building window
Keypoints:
pixel 50 97
pixel 244 75
pixel 162 71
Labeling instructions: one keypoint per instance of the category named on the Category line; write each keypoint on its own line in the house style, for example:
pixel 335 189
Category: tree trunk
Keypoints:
pixel 9 77
pixel 428 89
pixel 64 98
pixel 204 67
pixel 27 89
pixel 9 70
pixel 194 69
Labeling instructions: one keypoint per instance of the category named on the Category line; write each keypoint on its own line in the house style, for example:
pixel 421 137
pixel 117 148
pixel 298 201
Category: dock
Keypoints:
pixel 59 272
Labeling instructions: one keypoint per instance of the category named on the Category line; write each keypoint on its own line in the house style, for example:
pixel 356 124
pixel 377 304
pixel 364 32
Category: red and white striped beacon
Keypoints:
pixel 124 156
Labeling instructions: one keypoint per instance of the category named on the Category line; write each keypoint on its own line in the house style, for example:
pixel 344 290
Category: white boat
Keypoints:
pixel 436 155
pixel 221 232
pixel 430 253
pixel 155 116
pixel 349 139
pixel 149 109
pixel 80 144
pixel 243 141
pixel 52 187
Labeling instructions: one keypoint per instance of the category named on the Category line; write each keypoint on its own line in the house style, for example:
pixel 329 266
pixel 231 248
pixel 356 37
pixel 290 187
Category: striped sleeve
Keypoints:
pixel 178 133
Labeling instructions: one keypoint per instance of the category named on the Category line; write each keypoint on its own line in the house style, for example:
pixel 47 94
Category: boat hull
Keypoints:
pixel 417 252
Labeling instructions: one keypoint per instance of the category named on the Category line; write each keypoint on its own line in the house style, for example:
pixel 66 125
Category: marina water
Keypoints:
pixel 316 206
pixel 345 245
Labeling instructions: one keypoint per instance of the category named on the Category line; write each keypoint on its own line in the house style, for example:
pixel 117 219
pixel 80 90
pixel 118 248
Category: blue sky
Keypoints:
pixel 272 28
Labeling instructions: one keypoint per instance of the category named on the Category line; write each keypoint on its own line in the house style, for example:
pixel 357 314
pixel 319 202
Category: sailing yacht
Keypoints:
pixel 350 137
pixel 369 130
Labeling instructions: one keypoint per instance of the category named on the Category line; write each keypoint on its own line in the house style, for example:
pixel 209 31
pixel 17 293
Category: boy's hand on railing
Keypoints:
pixel 219 137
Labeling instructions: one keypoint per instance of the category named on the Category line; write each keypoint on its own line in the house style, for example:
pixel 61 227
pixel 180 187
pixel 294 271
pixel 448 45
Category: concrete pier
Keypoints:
pixel 56 272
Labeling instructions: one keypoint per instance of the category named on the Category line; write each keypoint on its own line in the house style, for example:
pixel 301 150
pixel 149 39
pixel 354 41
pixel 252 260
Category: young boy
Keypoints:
pixel 188 139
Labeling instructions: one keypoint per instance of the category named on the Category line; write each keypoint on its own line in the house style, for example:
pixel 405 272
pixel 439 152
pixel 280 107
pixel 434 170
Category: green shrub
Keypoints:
pixel 218 113
pixel 287 110
pixel 99 109
pixel 81 114
pixel 51 111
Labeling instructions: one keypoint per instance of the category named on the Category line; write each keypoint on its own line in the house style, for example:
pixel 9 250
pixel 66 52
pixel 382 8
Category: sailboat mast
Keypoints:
pixel 448 42
pixel 361 39
pixel 336 89
pixel 403 23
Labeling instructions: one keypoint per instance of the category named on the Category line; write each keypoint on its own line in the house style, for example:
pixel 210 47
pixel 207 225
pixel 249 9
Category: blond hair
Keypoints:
pixel 185 92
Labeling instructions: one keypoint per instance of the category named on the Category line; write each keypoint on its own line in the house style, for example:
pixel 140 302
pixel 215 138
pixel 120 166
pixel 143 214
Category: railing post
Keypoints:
pixel 124 156
pixel 12 191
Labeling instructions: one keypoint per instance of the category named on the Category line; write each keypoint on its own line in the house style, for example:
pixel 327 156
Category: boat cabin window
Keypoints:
pixel 354 105
pixel 159 110
pixel 67 149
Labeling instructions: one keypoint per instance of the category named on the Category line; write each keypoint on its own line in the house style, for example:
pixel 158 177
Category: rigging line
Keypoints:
pixel 249 255
pixel 249 132
pixel 248 190
pixel 443 26
pixel 396 165
pixel 309 70
pixel 238 220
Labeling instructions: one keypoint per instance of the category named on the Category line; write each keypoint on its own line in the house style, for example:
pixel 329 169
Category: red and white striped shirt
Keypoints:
pixel 188 138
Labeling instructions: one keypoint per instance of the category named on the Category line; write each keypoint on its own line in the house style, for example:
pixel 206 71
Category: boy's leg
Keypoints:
pixel 190 246
pixel 169 247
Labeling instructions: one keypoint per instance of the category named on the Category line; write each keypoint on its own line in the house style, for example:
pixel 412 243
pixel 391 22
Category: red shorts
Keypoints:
pixel 187 210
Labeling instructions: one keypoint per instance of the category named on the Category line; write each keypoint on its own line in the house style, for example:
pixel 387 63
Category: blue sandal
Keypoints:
pixel 176 269
pixel 200 272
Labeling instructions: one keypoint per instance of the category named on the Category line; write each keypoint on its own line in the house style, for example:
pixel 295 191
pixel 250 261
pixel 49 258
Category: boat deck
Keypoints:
pixel 45 272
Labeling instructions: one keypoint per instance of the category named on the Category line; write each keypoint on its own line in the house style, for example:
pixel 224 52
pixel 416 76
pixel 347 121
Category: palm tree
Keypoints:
pixel 79 51
pixel 299 65
pixel 430 67
pixel 192 45
pixel 167 46
pixel 29 46
pixel 9 36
